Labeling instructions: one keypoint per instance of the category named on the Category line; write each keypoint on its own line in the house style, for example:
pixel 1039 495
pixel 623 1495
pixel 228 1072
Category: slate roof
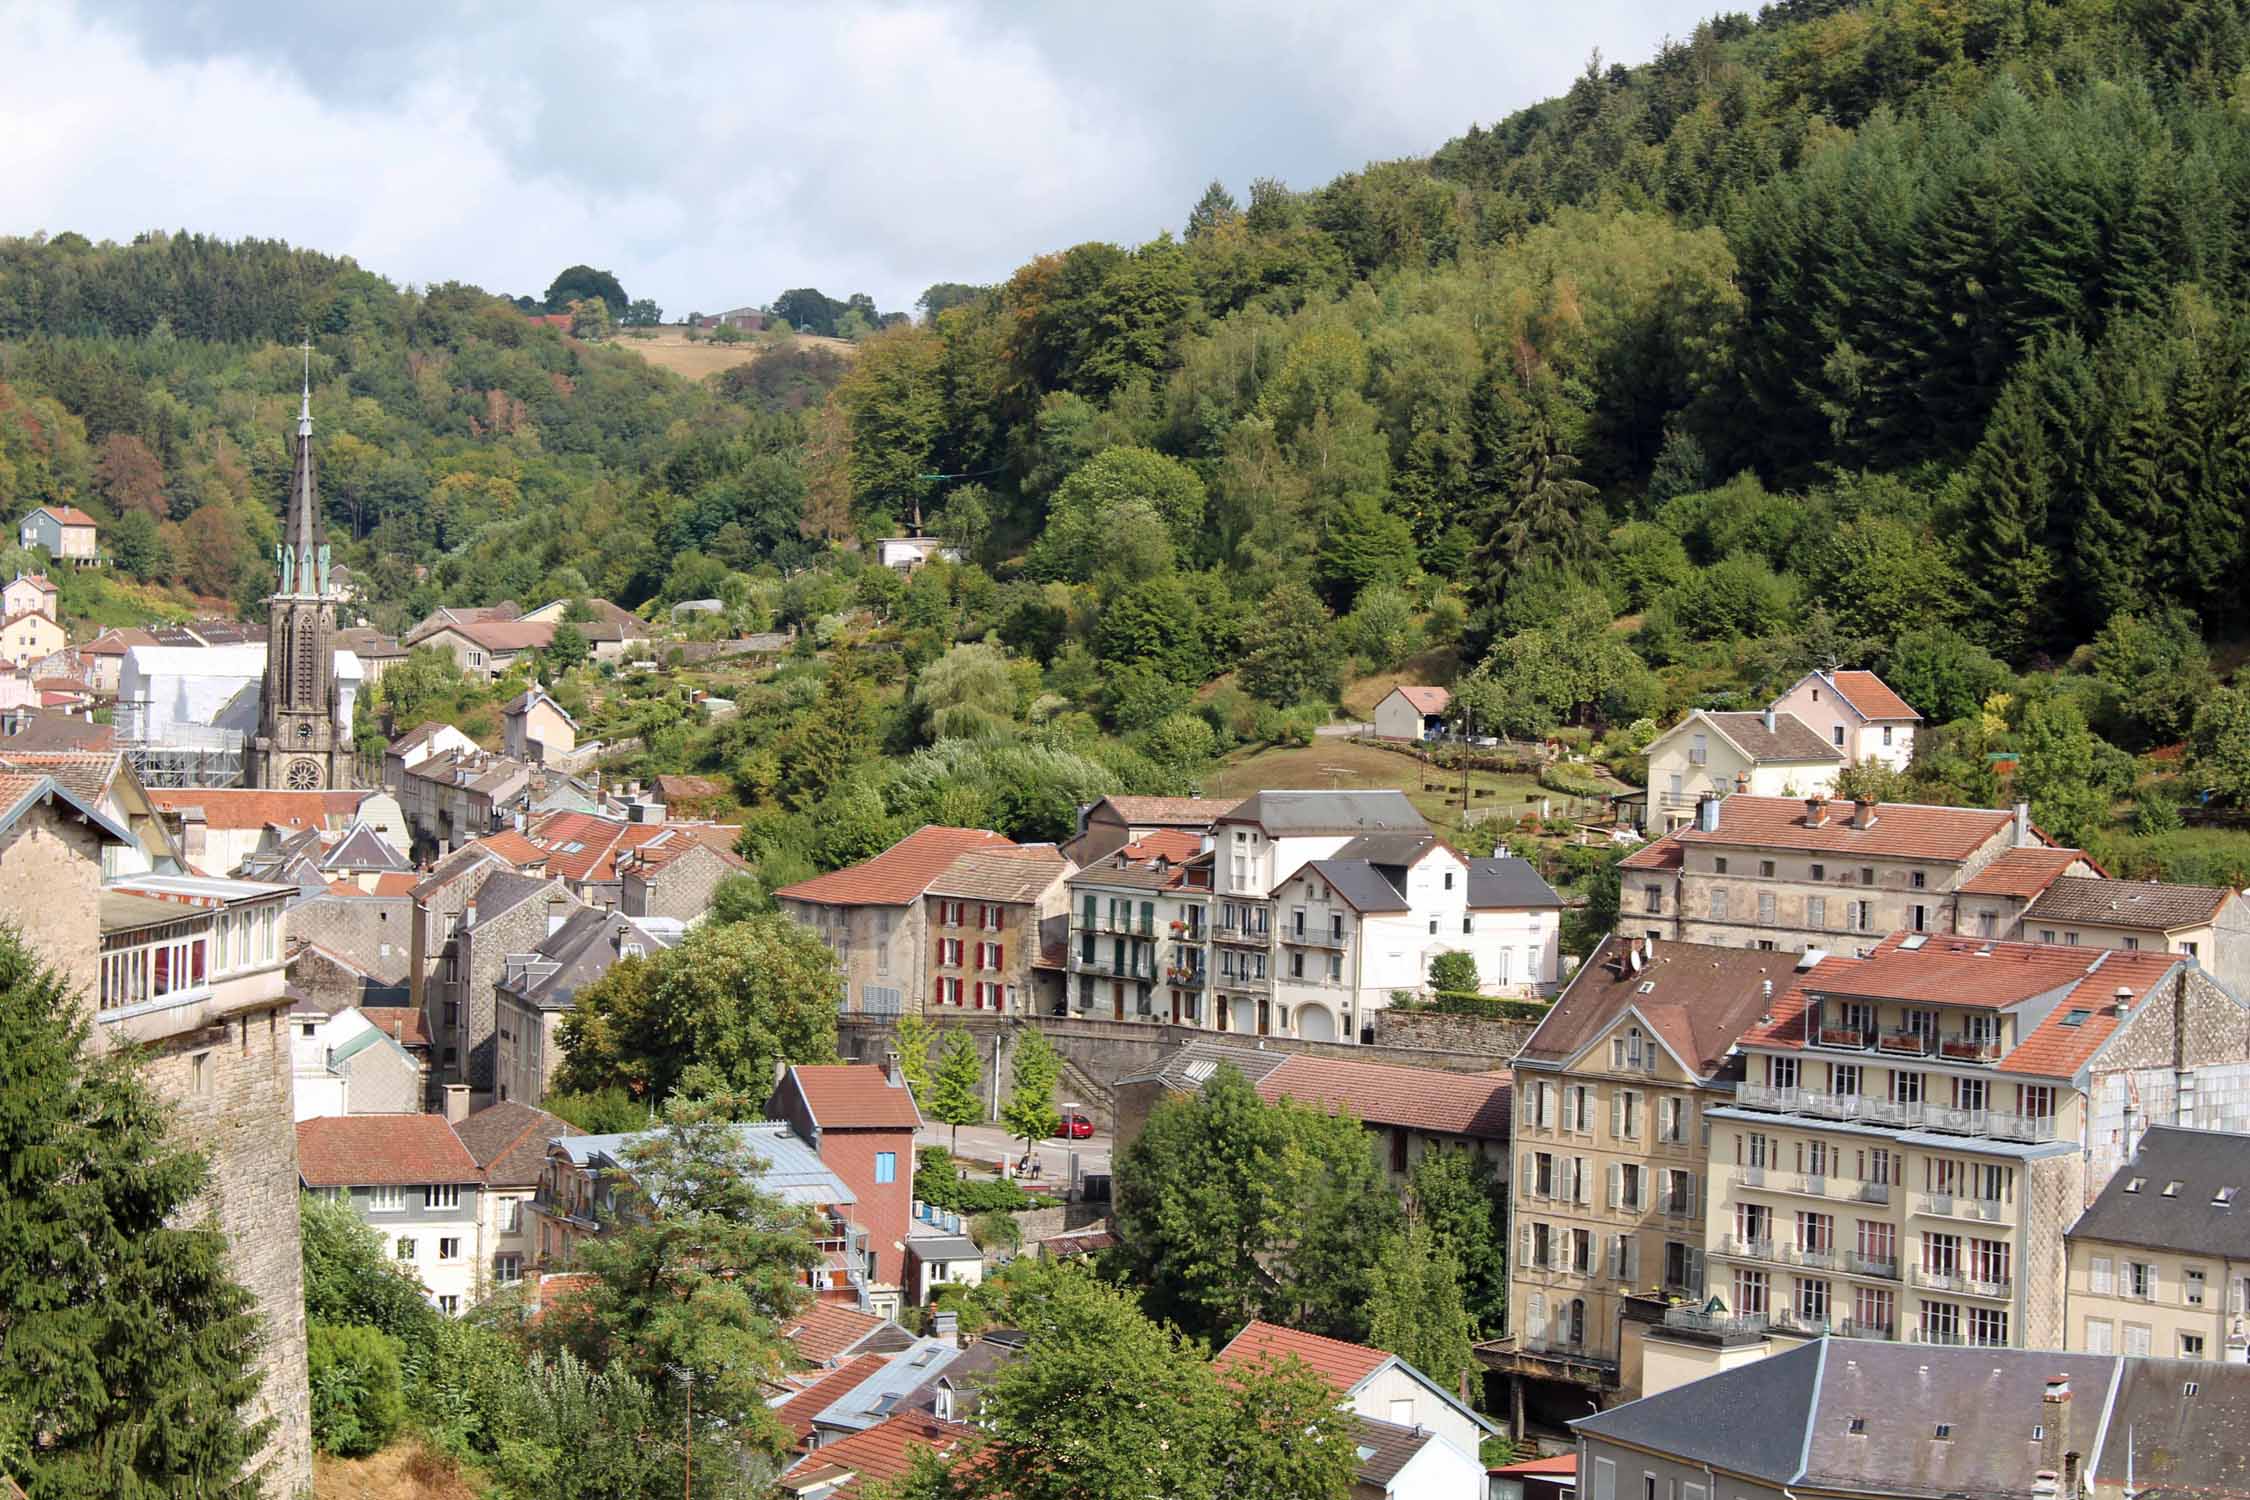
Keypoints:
pixel 1361 884
pixel 503 636
pixel 898 875
pixel 2184 1445
pixel 1430 1099
pixel 1425 701
pixel 1388 848
pixel 367 644
pixel 1344 1366
pixel 574 955
pixel 1870 695
pixel 382 1151
pixel 1505 883
pixel 873 1400
pixel 966 1375
pixel 2202 1162
pixel 2149 905
pixel 1790 740
pixel 462 861
pixel 509 1141
pixel 1699 998
pixel 1186 1069
pixel 854 1096
pixel 1287 813
pixel 362 848
pixel 1701 1421
pixel 1180 812
pixel 1901 830
pixel 523 702
pixel 417 736
pixel 1015 876
pixel 2022 874
pixel 1385 1448
pixel 505 890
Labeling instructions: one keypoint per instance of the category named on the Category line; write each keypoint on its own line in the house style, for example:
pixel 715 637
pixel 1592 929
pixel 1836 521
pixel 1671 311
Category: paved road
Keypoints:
pixel 990 1144
pixel 1341 731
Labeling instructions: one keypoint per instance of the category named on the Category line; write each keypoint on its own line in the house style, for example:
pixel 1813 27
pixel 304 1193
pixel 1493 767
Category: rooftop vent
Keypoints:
pixel 2172 1188
pixel 1858 1425
pixel 2223 1198
pixel 1914 943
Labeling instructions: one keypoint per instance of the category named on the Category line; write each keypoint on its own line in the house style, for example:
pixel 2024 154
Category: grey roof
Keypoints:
pixel 1285 813
pixel 1188 1068
pixel 504 890
pixel 2134 1208
pixel 967 1375
pixel 1361 884
pixel 943 1247
pixel 2151 905
pixel 1808 1400
pixel 875 1399
pixel 455 865
pixel 579 952
pixel 2175 1435
pixel 1384 1448
pixel 794 1171
pixel 1388 848
pixel 1507 882
pixel 1790 739
pixel 362 848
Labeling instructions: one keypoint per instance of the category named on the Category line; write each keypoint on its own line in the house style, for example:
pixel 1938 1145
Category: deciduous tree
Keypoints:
pixel 956 1090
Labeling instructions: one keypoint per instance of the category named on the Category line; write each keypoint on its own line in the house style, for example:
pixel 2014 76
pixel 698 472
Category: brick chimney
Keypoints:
pixel 1863 813
pixel 2024 839
pixel 2054 1418
pixel 945 1327
pixel 1816 812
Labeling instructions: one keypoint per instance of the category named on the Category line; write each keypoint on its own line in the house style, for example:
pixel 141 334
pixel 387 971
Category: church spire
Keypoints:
pixel 302 530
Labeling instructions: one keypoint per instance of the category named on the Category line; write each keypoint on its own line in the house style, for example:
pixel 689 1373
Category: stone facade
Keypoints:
pixel 374 933
pixel 2052 1199
pixel 1483 1035
pixel 679 889
pixel 2182 1059
pixel 468 1002
pixel 49 864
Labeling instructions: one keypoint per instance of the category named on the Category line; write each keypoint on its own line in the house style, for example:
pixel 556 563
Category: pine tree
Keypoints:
pixel 2009 487
pixel 956 1096
pixel 125 1347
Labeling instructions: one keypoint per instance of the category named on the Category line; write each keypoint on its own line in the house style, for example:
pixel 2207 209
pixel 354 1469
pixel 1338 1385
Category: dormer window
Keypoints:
pixel 2136 1184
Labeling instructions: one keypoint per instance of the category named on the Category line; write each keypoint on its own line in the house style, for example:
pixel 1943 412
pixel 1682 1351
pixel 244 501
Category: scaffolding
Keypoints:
pixel 188 757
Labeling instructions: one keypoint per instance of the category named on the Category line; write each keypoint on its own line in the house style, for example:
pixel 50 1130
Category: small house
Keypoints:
pixel 68 534
pixel 1412 712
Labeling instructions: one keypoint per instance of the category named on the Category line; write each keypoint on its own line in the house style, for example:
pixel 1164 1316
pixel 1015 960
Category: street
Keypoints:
pixel 992 1145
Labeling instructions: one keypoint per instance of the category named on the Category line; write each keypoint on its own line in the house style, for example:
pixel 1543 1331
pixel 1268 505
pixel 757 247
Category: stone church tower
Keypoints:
pixel 298 745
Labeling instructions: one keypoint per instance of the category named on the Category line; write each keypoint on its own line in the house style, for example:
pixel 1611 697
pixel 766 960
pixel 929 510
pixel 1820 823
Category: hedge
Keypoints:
pixel 1490 1006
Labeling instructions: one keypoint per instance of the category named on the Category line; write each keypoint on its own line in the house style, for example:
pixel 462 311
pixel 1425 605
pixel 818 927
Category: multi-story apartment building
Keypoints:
pixel 860 1120
pixel 871 914
pixel 988 916
pixel 2208 923
pixel 409 1178
pixel 1857 713
pixel 1918 1129
pixel 1139 945
pixel 1795 875
pixel 1612 1095
pixel 2160 1264
pixel 1708 754
pixel 1110 824
pixel 509 1143
pixel 537 987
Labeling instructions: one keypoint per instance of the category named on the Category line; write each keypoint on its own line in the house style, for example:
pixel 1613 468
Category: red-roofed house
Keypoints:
pixel 68 534
pixel 487 648
pixel 1411 712
pixel 410 1178
pixel 827 1332
pixel 1917 1129
pixel 1857 713
pixel 861 1119
pixel 29 593
pixel 849 1467
pixel 1384 1390
pixel 872 915
pixel 1795 875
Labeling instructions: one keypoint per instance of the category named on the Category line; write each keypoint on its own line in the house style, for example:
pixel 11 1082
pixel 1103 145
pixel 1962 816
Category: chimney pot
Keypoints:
pixel 1768 717
pixel 1816 812
pixel 2023 825
pixel 1863 813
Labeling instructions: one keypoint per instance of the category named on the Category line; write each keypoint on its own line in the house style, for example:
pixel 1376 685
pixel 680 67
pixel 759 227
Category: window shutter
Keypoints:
pixel 2155 1285
pixel 1694 1192
pixel 1695 1271
pixel 1632 1259
pixel 1526 1177
pixel 1617 1116
pixel 999 955
pixel 1527 1244
pixel 1616 1178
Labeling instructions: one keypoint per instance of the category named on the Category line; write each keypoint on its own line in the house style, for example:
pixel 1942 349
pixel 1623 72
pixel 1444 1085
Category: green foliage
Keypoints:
pixel 1381 628
pixel 128 1362
pixel 606 1111
pixel 1454 971
pixel 1033 1068
pixel 914 1037
pixel 2157 671
pixel 1574 670
pixel 956 1095
pixel 1119 489
pixel 1415 1307
pixel 1230 1208
pixel 577 1432
pixel 358 1402
pixel 2222 745
pixel 567 648
pixel 351 1280
pixel 996 1230
pixel 1460 1199
pixel 736 998
pixel 1289 650
pixel 2056 773
pixel 580 282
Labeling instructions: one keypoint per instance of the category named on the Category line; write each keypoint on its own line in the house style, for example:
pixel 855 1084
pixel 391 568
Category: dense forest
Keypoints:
pixel 1902 333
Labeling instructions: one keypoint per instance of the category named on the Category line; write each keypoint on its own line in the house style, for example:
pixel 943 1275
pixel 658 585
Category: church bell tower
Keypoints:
pixel 299 746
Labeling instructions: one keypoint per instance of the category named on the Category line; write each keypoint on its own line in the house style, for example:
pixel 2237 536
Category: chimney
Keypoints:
pixel 2023 825
pixel 891 1073
pixel 456 1102
pixel 1863 813
pixel 1742 781
pixel 1767 718
pixel 1707 813
pixel 945 1327
pixel 557 914
pixel 2054 1416
pixel 1816 812
pixel 2124 999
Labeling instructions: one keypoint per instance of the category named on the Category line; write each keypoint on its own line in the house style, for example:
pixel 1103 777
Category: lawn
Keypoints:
pixel 1438 666
pixel 670 350
pixel 1338 764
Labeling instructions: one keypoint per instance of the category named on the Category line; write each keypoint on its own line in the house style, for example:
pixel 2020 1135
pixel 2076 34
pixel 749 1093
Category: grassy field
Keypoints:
pixel 670 350
pixel 1339 764
pixel 1438 666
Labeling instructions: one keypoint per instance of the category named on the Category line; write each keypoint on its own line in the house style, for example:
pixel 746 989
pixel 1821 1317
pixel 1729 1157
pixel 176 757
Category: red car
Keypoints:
pixel 1076 1128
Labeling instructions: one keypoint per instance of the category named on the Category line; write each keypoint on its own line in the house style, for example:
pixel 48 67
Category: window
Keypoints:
pixel 1718 906
pixel 1719 865
pixel 1699 750
pixel 2098 1336
pixel 404 1248
pixel 1816 911
pixel 1873 1309
pixel 1781 1072
pixel 1765 908
pixel 2191 1286
pixel 507 1269
pixel 1886 736
pixel 886 1166
pixel 1765 868
pixel 449 1248
pixel 2191 1347
pixel 1449 880
pixel 1654 896
pixel 441 1195
pixel 1582 1253
pixel 1816 1233
pixel 450 1305
pixel 385 1200
pixel 1750 1293
pixel 1863 916
pixel 1866 874
pixel 511 1215
pixel 1843 1080
pixel 1919 880
pixel 1812 1301
pixel 2140 1280
pixel 2100 1277
pixel 1918 917
pixel 199 1076
pixel 1906 1088
pixel 1820 872
pixel 1941 1323
pixel 2137 1340
pixel 1836 731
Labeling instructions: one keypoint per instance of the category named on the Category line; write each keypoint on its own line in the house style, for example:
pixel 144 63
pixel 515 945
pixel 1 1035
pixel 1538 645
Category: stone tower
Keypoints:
pixel 299 746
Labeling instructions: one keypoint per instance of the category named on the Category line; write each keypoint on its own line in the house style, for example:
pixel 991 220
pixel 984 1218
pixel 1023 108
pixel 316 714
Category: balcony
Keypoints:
pixel 1243 937
pixel 1954 1206
pixel 1246 984
pixel 1725 1327
pixel 1969 1049
pixel 1121 925
pixel 1312 937
pixel 1845 1189
pixel 1953 1281
pixel 1896 1114
pixel 1185 978
pixel 1131 968
pixel 1844 1038
pixel 1898 1042
pixel 1837 1262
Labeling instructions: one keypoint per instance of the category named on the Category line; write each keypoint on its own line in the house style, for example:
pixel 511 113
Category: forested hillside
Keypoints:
pixel 1902 333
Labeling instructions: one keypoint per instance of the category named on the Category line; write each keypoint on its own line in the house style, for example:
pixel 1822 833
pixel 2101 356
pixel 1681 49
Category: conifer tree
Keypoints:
pixel 126 1349
pixel 2009 485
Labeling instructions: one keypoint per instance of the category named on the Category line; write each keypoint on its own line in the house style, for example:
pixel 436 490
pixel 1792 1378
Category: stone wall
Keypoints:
pixel 329 986
pixel 235 1104
pixel 1485 1036
pixel 374 932
pixel 2050 1205
pixel 49 865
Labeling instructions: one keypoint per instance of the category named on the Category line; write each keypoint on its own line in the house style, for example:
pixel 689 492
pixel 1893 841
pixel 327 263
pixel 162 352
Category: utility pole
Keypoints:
pixel 1468 738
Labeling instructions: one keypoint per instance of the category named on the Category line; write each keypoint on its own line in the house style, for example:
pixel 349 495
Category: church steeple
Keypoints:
pixel 303 740
pixel 303 537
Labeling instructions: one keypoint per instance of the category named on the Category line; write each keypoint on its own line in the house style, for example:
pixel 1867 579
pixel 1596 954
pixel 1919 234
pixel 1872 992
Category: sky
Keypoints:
pixel 714 155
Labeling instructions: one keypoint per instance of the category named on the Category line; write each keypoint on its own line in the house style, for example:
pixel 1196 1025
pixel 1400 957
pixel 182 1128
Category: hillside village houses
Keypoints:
pixel 1412 712
pixel 67 533
pixel 2160 1262
pixel 29 593
pixel 1710 754
pixel 1139 929
pixel 1857 713
pixel 534 727
pixel 536 988
pixel 990 917
pixel 1110 824
pixel 29 635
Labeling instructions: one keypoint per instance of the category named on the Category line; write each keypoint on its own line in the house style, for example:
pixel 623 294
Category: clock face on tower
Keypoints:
pixel 304 731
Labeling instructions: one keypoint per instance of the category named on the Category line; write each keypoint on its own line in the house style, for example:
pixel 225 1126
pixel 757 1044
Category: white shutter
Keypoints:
pixel 1538 1319
pixel 1694 1192
pixel 1617 1115
pixel 2155 1284
pixel 1632 1259
pixel 1695 1271
pixel 1525 1257
pixel 1527 1177
pixel 2103 1279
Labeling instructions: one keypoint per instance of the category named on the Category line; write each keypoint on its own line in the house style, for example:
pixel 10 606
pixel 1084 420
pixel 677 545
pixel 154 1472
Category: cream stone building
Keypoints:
pixel 1857 713
pixel 2160 1264
pixel 1706 754
pixel 1918 1129
pixel 1612 1096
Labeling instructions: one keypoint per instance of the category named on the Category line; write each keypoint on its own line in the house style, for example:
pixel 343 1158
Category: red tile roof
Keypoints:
pixel 239 807
pixel 504 635
pixel 514 848
pixel 401 1023
pixel 798 1411
pixel 395 883
pixel 69 515
pixel 1697 997
pixel 1561 1463
pixel 1174 844
pixel 1342 1365
pixel 882 1454
pixel 1969 971
pixel 600 841
pixel 2022 873
pixel 1664 854
pixel 855 1096
pixel 381 1151
pixel 826 1329
pixel 1901 830
pixel 1872 696
pixel 900 874
pixel 1470 1104
pixel 1182 811
pixel 1425 700
pixel 38 581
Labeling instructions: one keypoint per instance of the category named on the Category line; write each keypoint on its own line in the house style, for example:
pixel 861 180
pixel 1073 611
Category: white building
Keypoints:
pixel 183 696
pixel 1769 754
pixel 345 1064
pixel 1857 713
pixel 411 1180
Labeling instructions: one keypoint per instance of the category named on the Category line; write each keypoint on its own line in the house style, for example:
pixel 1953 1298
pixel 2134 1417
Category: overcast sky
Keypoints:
pixel 717 154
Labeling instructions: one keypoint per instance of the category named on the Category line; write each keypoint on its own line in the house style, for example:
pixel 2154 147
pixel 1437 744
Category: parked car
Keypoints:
pixel 1075 1127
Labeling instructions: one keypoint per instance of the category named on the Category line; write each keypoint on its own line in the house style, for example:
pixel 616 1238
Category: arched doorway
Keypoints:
pixel 1316 1023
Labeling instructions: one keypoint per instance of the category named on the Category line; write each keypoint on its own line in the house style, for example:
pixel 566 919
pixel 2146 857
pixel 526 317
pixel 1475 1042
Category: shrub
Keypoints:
pixel 358 1397
pixel 996 1231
